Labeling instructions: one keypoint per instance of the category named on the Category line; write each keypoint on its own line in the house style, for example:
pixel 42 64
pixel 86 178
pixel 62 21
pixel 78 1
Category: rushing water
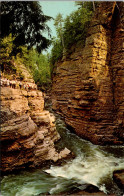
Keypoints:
pixel 92 165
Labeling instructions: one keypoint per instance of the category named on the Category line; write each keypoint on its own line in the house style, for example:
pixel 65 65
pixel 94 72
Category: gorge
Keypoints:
pixel 74 145
pixel 88 85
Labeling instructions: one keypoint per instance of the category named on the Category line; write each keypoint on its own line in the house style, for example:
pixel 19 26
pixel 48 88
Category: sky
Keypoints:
pixel 52 8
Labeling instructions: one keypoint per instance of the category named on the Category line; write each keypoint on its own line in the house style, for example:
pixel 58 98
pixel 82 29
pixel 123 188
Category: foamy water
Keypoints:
pixel 92 165
pixel 89 170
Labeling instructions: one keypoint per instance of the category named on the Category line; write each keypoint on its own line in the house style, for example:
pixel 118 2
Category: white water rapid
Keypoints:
pixel 92 165
pixel 91 170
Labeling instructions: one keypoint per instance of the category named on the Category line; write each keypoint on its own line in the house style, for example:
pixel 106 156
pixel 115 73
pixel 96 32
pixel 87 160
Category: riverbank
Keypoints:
pixel 92 165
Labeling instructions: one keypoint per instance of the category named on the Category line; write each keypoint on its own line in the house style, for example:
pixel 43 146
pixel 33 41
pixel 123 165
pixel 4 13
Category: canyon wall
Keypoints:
pixel 88 86
pixel 28 131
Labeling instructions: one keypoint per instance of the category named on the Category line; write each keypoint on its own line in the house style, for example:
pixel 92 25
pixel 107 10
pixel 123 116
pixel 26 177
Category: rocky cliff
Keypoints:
pixel 88 86
pixel 28 131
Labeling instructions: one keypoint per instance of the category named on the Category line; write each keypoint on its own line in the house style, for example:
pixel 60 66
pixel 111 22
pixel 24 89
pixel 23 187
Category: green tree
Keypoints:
pixel 38 65
pixel 90 5
pixel 59 24
pixel 72 30
pixel 6 46
pixel 26 22
pixel 75 27
pixel 56 52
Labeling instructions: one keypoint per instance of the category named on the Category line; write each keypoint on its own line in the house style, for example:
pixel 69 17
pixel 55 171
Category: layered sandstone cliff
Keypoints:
pixel 28 131
pixel 88 86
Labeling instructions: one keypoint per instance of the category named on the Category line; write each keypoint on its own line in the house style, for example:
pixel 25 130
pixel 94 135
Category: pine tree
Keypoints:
pixel 26 22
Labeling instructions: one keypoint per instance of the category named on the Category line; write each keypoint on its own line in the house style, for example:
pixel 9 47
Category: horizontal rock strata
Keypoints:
pixel 28 132
pixel 88 86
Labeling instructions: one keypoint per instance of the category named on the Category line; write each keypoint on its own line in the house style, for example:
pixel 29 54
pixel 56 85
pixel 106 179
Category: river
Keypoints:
pixel 92 165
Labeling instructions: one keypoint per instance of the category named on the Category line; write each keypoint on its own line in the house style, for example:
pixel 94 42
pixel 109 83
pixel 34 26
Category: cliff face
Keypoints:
pixel 88 86
pixel 28 131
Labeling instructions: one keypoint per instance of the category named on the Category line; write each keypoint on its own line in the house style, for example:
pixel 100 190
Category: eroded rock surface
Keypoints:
pixel 88 86
pixel 118 177
pixel 28 132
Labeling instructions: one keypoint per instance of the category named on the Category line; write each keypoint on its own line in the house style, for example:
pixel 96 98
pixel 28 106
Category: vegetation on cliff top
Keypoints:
pixel 22 37
pixel 37 64
pixel 71 30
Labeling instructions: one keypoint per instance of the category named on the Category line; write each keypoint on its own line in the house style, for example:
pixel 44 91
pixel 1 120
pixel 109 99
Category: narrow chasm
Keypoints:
pixel 62 107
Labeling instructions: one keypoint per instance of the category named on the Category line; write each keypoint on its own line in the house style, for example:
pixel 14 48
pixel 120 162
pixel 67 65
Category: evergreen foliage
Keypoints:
pixel 89 5
pixel 75 27
pixel 22 39
pixel 71 31
pixel 26 22
pixel 60 30
pixel 56 52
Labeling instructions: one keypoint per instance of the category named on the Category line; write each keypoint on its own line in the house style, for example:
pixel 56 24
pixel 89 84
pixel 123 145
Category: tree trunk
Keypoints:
pixel 93 6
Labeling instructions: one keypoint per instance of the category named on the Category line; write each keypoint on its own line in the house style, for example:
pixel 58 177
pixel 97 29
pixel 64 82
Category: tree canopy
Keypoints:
pixel 59 29
pixel 26 22
pixel 71 31
pixel 38 66
pixel 85 4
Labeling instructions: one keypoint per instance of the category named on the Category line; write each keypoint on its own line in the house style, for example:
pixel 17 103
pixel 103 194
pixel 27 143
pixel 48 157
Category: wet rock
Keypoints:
pixel 118 177
pixel 89 190
pixel 92 189
pixel 83 193
pixel 64 153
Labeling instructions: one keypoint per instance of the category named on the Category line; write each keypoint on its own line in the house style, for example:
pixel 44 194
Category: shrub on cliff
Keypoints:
pixel 38 66
pixel 6 45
